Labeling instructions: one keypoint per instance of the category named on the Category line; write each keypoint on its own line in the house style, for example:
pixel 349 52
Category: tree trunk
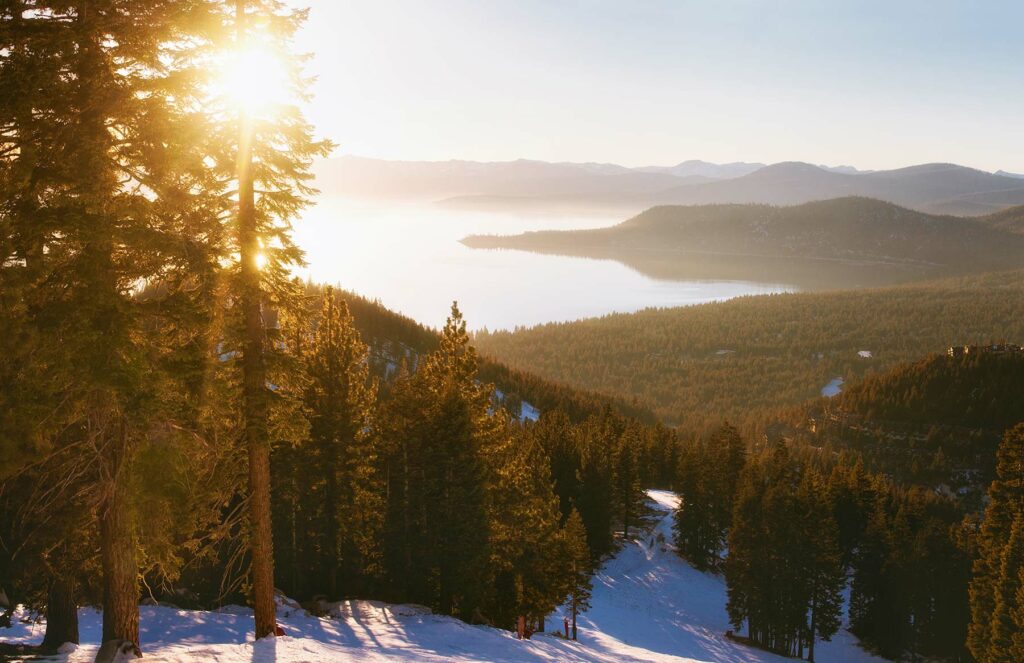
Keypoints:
pixel 811 634
pixel 574 610
pixel 120 573
pixel 61 614
pixel 260 537
pixel 254 378
pixel 329 552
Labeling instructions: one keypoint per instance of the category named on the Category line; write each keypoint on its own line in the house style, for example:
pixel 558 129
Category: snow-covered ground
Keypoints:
pixel 527 411
pixel 833 388
pixel 648 605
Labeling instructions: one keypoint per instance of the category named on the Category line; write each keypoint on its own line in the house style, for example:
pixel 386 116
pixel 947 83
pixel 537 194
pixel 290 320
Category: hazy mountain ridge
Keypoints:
pixel 859 231
pixel 435 180
pixel 696 167
pixel 945 188
pixel 530 184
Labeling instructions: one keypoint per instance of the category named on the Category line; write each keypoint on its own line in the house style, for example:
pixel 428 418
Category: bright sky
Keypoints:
pixel 874 84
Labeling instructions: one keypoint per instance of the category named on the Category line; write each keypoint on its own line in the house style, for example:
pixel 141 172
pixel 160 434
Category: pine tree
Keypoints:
pixel 1006 501
pixel 270 150
pixel 596 440
pixel 1007 587
pixel 699 533
pixel 438 430
pixel 823 573
pixel 339 401
pixel 745 563
pixel 1017 646
pixel 112 170
pixel 870 589
pixel 628 492
pixel 525 545
pixel 577 556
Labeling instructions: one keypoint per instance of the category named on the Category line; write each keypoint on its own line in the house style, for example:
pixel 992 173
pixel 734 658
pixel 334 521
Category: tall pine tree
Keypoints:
pixel 578 567
pixel 267 147
pixel 1006 503
pixel 339 402
pixel 109 205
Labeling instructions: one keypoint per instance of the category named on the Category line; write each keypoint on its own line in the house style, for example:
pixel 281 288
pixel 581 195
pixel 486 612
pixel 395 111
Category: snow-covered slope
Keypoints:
pixel 648 605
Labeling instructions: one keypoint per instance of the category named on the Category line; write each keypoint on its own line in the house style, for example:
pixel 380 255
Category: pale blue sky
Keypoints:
pixel 872 84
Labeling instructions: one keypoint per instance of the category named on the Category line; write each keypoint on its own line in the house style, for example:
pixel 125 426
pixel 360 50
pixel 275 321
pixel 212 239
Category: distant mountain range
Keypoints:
pixel 539 185
pixel 865 241
pixel 939 188
pixel 436 180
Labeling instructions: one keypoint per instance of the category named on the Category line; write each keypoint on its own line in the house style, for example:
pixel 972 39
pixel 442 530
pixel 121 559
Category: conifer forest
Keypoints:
pixel 325 337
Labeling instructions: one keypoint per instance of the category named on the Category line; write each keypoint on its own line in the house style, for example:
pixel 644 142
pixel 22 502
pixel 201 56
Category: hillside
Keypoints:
pixel 393 337
pixel 648 605
pixel 730 359
pixel 1010 219
pixel 936 422
pixel 981 389
pixel 846 234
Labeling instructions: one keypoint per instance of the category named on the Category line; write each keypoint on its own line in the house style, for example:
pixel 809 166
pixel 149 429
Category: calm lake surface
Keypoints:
pixel 409 257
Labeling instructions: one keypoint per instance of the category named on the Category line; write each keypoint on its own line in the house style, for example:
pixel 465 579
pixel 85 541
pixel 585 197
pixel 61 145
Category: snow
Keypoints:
pixel 648 605
pixel 526 410
pixel 833 388
pixel 864 354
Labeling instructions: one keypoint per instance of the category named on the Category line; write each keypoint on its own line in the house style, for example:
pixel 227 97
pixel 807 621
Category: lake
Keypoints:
pixel 409 257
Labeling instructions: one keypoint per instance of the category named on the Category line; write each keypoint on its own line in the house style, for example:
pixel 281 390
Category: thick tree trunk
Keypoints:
pixel 61 614
pixel 329 554
pixel 254 380
pixel 260 537
pixel 120 573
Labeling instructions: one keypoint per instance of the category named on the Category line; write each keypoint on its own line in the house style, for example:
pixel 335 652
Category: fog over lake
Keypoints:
pixel 409 257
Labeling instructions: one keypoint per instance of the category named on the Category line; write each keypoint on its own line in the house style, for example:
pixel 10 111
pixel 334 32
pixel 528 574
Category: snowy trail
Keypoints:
pixel 648 605
pixel 648 597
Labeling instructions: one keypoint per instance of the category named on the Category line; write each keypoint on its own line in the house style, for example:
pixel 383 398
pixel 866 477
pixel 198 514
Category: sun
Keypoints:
pixel 253 79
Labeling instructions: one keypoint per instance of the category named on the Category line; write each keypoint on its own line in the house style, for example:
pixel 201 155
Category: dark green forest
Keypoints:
pixel 729 360
pixel 934 423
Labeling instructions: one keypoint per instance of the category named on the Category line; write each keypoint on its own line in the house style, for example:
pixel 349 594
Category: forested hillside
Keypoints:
pixel 862 234
pixel 935 422
pixel 726 360
pixel 393 337
pixel 1010 219
pixel 982 388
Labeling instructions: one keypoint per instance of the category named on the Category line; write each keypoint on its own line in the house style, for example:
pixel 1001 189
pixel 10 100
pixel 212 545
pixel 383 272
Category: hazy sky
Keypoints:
pixel 872 84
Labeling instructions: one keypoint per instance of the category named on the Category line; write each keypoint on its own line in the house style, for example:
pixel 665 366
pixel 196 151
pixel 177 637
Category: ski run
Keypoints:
pixel 648 605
